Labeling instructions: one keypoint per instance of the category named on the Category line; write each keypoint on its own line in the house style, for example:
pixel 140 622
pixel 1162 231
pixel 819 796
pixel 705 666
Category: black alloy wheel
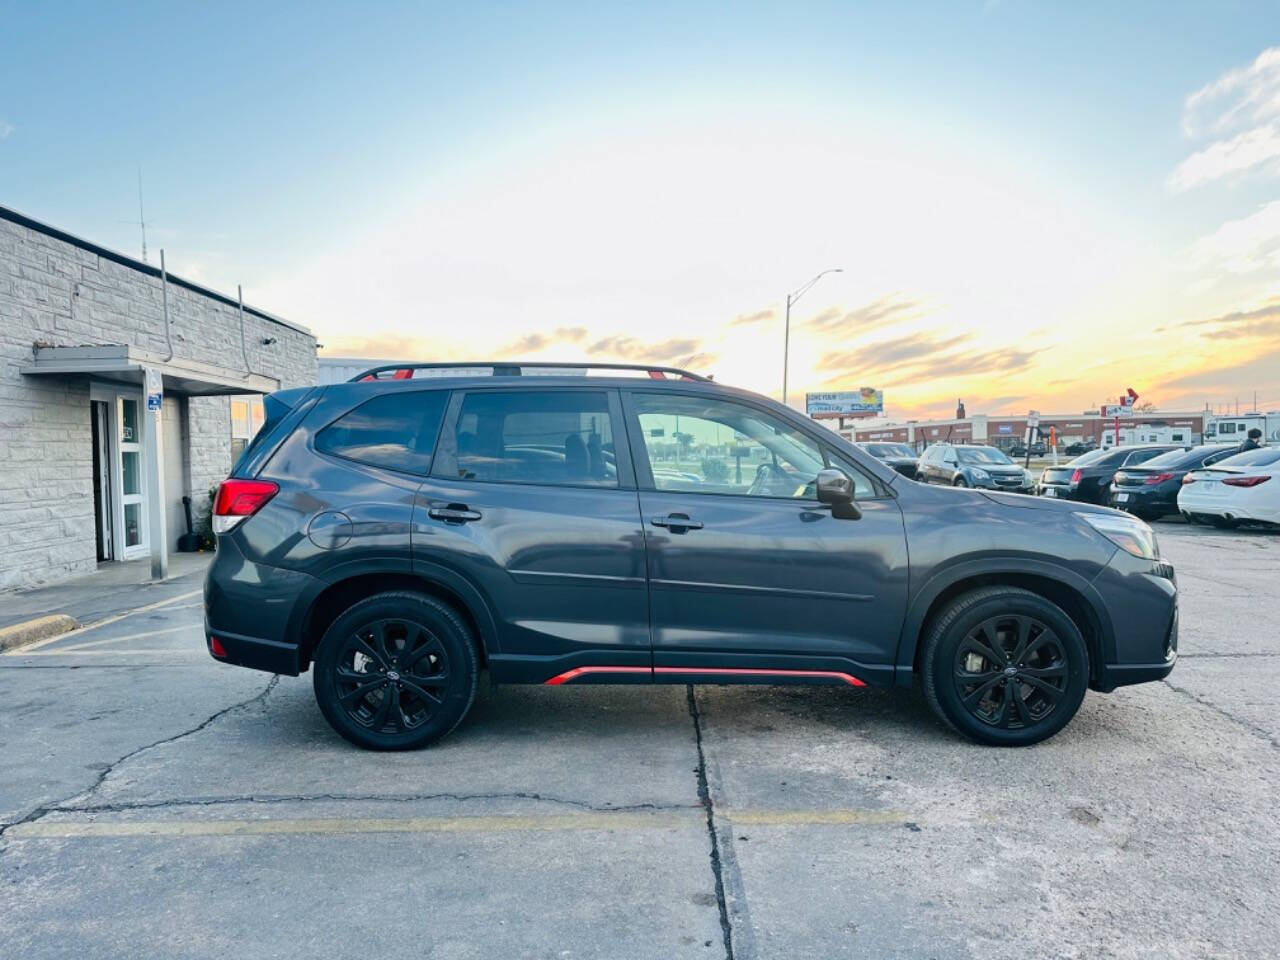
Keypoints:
pixel 1004 666
pixel 1010 671
pixel 396 671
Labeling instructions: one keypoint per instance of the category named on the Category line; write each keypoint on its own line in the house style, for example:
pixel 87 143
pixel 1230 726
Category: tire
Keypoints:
pixel 372 639
pixel 959 482
pixel 1222 523
pixel 1036 707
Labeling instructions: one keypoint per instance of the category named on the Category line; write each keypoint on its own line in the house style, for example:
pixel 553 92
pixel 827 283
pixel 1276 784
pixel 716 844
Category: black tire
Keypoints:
pixel 959 482
pixel 1222 523
pixel 396 708
pixel 971 689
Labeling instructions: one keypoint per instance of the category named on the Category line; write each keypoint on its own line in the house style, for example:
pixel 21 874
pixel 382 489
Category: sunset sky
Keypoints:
pixel 1033 206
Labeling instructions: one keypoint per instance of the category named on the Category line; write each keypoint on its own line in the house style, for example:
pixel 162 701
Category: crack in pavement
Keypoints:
pixel 1222 656
pixel 704 795
pixel 1251 727
pixel 125 806
pixel 43 811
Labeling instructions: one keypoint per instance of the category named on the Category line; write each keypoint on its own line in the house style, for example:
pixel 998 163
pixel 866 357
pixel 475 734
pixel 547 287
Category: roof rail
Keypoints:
pixel 505 368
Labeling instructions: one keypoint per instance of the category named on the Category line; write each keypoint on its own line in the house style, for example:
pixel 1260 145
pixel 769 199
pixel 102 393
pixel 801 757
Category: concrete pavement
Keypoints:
pixel 162 805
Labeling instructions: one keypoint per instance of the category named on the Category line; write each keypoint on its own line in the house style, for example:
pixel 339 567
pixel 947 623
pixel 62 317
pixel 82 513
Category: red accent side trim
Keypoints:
pixel 576 672
pixel 746 671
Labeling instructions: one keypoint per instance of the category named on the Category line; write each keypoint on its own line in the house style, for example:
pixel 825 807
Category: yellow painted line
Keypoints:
pixel 109 620
pixel 516 823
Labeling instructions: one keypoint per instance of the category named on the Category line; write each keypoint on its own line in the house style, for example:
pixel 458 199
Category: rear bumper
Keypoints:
pixel 1145 500
pixel 1225 506
pixel 273 656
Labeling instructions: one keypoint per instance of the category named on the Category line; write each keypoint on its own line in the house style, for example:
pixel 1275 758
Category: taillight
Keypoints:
pixel 1076 475
pixel 1245 481
pixel 238 499
pixel 1188 479
pixel 1158 478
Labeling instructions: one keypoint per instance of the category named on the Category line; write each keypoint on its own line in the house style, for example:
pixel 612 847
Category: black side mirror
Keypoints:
pixel 835 488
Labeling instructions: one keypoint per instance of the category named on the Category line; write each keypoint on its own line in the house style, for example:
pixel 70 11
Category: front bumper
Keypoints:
pixel 1141 599
pixel 1022 486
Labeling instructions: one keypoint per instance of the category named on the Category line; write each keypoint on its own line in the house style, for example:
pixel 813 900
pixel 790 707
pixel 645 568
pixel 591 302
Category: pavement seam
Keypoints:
pixel 43 811
pixel 704 794
pixel 1209 704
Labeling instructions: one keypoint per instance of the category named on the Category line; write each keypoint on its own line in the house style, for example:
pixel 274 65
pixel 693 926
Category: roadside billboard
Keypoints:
pixel 847 403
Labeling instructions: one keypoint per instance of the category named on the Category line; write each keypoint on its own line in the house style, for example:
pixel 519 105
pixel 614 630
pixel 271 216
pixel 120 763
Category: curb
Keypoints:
pixel 39 628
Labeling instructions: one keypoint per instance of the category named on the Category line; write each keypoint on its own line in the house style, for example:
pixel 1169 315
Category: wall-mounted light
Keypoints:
pixel 268 341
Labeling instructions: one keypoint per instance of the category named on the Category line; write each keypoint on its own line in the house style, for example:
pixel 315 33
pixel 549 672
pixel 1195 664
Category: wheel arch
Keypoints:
pixel 337 594
pixel 1065 588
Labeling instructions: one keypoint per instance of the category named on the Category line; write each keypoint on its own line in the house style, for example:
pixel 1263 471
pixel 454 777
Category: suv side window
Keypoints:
pixel 393 430
pixel 529 436
pixel 709 445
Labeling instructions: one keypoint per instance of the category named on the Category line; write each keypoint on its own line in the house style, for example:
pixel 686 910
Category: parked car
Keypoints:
pixel 1244 486
pixel 900 456
pixel 1151 490
pixel 1088 477
pixel 1079 447
pixel 973 465
pixel 1038 449
pixel 1018 449
pixel 399 534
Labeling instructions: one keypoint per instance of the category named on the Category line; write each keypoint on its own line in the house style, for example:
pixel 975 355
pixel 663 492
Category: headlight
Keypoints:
pixel 1127 532
pixel 979 474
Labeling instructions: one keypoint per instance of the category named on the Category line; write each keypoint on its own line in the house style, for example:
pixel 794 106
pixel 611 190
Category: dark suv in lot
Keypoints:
pixel 397 535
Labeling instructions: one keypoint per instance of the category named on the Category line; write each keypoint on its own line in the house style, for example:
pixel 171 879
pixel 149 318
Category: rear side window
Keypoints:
pixel 1141 456
pixel 393 430
pixel 528 436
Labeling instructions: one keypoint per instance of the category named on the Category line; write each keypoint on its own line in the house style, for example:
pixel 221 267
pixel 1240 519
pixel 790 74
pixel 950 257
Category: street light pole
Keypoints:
pixel 786 337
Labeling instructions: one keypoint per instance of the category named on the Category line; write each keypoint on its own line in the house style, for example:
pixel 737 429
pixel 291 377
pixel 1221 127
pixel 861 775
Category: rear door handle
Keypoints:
pixel 676 522
pixel 454 513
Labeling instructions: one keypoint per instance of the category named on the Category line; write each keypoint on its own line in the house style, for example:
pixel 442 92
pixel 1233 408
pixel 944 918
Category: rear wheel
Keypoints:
pixel 1004 666
pixel 396 671
pixel 1223 523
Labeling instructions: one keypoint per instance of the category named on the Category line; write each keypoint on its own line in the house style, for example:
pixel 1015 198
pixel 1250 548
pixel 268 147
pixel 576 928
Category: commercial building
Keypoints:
pixel 1005 431
pixel 122 390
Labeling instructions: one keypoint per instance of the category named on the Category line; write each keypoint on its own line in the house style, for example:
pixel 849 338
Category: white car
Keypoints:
pixel 1243 487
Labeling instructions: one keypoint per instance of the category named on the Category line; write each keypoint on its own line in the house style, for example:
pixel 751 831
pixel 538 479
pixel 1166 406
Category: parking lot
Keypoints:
pixel 158 804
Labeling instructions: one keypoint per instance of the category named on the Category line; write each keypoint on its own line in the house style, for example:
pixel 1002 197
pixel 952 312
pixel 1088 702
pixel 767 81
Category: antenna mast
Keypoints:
pixel 142 220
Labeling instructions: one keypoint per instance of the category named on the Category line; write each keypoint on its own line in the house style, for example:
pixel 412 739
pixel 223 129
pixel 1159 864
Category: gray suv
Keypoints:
pixel 973 465
pixel 399 534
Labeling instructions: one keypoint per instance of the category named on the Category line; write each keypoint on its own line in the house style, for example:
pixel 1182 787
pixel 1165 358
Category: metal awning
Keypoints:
pixel 120 363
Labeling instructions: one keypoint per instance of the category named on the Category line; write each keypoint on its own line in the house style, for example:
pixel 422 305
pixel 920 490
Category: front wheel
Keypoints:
pixel 1004 666
pixel 959 482
pixel 396 671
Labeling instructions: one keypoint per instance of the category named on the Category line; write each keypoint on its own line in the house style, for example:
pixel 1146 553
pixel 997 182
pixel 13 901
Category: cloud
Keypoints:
pixel 5 130
pixel 1241 112
pixel 1234 379
pixel 888 355
pixel 681 352
pixel 1261 323
pixel 749 318
pixel 881 313
pixel 535 342
pixel 1241 246
pixel 1004 360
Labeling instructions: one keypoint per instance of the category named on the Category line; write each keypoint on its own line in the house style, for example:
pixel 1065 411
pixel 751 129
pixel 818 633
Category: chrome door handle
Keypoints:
pixel 676 522
pixel 454 513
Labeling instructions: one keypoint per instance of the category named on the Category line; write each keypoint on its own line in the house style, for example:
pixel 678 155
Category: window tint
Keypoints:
pixel 1262 457
pixel 1177 459
pixel 394 430
pixel 1141 456
pixel 698 445
pixel 526 436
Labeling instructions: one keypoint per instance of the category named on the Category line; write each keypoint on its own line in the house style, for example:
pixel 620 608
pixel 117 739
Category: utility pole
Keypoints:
pixel 786 337
pixel 142 220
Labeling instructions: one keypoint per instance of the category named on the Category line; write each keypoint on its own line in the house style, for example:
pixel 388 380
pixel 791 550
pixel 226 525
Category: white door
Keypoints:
pixel 131 518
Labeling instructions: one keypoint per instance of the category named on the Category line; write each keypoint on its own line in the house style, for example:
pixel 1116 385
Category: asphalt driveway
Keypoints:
pixel 158 804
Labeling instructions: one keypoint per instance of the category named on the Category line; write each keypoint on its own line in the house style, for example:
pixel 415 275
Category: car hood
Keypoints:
pixel 1049 504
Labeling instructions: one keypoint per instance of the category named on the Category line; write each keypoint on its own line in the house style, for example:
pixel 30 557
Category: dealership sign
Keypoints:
pixel 848 403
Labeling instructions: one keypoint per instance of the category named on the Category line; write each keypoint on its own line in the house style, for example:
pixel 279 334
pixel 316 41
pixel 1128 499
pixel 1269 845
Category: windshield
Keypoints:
pixel 1262 457
pixel 981 455
pixel 890 450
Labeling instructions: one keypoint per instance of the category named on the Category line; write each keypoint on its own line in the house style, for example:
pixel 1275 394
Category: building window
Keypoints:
pixel 246 420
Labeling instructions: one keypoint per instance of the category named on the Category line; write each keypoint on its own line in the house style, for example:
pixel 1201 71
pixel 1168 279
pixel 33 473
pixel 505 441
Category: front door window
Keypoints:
pixel 130 476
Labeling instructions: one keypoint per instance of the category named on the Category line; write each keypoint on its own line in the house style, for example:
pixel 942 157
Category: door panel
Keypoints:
pixel 533 503
pixel 746 569
pixel 765 577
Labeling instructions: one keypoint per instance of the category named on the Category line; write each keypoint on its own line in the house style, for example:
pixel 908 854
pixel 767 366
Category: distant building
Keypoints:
pixel 1005 431
pixel 82 330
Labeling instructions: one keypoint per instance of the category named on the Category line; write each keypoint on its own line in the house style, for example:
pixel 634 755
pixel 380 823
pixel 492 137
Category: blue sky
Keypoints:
pixel 455 180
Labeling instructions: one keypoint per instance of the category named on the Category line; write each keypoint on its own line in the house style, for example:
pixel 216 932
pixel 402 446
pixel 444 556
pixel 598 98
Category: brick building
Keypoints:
pixel 89 471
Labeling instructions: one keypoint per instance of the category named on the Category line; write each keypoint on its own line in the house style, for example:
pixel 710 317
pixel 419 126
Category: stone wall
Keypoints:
pixel 54 291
